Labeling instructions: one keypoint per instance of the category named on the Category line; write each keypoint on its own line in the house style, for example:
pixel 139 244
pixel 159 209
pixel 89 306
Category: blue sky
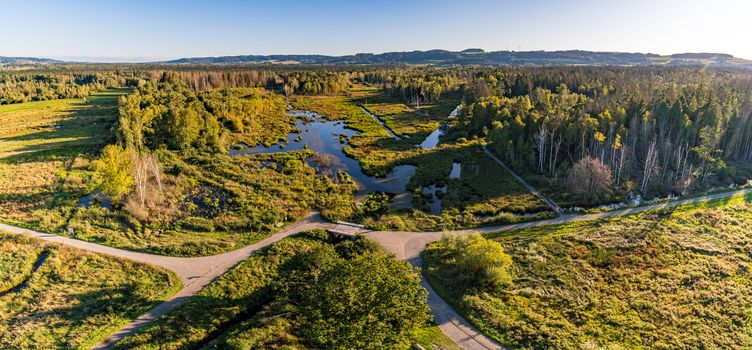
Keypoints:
pixel 135 30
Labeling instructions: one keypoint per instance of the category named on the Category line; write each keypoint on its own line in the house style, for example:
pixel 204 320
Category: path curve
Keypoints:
pixel 196 273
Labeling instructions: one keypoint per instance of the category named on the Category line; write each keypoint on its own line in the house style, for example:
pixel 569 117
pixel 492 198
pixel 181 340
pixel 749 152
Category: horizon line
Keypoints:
pixel 164 58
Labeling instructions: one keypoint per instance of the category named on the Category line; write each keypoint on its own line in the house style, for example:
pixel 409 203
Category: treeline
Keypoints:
pixel 601 131
pixel 304 82
pixel 168 113
pixel 418 85
pixel 413 85
pixel 24 87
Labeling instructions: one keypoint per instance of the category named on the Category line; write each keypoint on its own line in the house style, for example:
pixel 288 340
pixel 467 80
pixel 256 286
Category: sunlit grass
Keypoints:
pixel 44 151
pixel 75 298
pixel 624 282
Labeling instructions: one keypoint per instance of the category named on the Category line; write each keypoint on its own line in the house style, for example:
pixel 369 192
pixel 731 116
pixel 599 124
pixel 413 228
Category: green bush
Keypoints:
pixel 471 262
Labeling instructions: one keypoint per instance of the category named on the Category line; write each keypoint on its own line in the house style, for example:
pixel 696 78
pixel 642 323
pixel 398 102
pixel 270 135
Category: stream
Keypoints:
pixel 434 191
pixel 433 139
pixel 383 125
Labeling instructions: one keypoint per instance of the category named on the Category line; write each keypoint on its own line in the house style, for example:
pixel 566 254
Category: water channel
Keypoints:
pixel 328 139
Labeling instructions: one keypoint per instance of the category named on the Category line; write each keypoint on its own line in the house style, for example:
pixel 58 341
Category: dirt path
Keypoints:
pixel 194 273
pixel 198 272
pixel 555 207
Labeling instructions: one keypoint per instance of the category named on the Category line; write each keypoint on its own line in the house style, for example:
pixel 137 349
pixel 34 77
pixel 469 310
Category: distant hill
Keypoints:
pixel 472 56
pixel 18 61
pixel 480 57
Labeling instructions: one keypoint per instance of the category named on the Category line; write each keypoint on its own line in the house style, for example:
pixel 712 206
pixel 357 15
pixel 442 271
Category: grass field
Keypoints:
pixel 241 309
pixel 45 148
pixel 16 263
pixel 629 282
pixel 413 122
pixel 74 298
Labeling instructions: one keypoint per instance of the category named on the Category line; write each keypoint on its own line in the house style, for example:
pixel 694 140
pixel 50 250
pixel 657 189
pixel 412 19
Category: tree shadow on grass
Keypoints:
pixel 84 127
pixel 199 320
pixel 84 312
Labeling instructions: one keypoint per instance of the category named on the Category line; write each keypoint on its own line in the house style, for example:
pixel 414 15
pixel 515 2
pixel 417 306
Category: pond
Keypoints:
pixel 328 138
pixel 433 139
pixel 436 193
pixel 456 170
pixel 95 197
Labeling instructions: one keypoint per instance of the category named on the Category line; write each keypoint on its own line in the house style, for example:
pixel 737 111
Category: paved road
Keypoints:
pixel 196 273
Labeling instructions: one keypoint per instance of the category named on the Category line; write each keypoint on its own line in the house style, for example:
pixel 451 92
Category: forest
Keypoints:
pixel 19 88
pixel 583 135
pixel 597 133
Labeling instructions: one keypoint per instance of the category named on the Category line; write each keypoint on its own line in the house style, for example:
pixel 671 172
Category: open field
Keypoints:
pixel 625 282
pixel 73 298
pixel 16 263
pixel 45 149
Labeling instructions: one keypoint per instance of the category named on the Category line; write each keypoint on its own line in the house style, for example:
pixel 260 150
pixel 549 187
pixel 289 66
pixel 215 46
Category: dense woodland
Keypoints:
pixel 586 134
pixel 24 87
pixel 167 113
pixel 598 130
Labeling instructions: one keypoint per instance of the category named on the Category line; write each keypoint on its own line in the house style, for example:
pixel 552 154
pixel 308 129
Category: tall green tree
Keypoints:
pixel 372 301
pixel 114 170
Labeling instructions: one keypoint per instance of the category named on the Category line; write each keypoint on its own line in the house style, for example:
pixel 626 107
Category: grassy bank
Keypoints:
pixel 74 298
pixel 411 122
pixel 626 282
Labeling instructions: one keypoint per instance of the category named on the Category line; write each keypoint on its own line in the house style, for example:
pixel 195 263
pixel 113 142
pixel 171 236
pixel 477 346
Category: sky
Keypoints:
pixel 136 30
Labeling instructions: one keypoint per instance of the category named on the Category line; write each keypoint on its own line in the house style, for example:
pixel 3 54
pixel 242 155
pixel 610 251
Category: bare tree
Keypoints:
pixel 651 157
pixel 540 144
pixel 140 177
pixel 155 169
pixel 146 169
pixel 555 147
pixel 590 179
pixel 620 163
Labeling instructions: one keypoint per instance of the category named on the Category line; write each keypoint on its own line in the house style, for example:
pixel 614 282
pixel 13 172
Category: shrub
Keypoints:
pixel 474 262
